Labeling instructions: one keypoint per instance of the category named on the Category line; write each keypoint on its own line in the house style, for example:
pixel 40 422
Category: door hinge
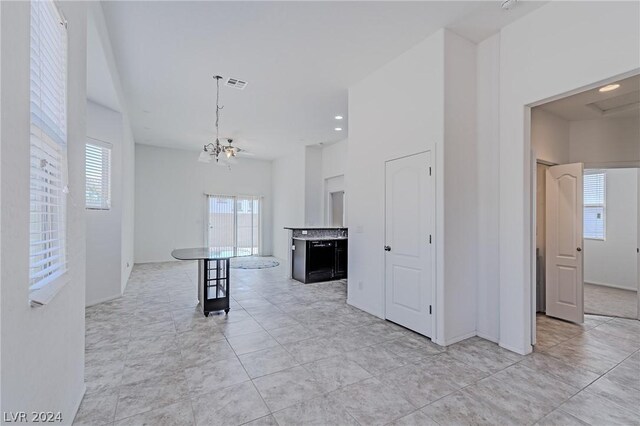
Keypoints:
pixel 429 238
pixel 429 170
pixel 430 310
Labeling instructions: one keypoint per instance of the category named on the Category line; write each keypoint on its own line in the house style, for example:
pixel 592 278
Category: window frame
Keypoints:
pixel 107 205
pixel 602 205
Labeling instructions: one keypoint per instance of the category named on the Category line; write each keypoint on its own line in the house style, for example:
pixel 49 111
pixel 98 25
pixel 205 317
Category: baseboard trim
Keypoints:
pixel 79 401
pixel 362 308
pixel 488 337
pixel 459 338
pixel 520 351
pixel 103 300
pixel 611 286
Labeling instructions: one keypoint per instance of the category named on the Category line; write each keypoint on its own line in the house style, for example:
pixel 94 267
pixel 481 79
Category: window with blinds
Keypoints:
pixel 234 223
pixel 594 204
pixel 98 175
pixel 48 145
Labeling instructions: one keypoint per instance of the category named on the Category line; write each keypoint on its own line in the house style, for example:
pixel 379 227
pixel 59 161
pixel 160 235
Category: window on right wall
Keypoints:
pixel 595 183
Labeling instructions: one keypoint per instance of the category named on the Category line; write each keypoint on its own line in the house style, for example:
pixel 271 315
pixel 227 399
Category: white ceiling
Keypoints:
pixel 299 59
pixel 593 104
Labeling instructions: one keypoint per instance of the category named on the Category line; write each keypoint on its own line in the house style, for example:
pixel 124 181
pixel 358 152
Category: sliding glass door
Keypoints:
pixel 234 223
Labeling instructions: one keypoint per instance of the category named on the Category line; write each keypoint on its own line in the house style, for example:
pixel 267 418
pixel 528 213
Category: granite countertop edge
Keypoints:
pixel 311 238
pixel 311 228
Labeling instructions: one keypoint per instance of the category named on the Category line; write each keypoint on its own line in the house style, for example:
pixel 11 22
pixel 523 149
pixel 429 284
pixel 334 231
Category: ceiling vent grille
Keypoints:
pixel 621 103
pixel 238 84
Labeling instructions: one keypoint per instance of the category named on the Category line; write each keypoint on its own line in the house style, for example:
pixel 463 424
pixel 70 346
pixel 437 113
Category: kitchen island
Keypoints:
pixel 318 253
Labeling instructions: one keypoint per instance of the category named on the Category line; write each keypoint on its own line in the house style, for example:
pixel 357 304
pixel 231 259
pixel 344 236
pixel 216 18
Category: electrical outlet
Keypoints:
pixel 305 232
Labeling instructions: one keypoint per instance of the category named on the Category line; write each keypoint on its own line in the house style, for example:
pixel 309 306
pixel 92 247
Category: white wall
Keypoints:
pixel 170 200
pixel 457 316
pixel 488 250
pixel 546 53
pixel 334 179
pixel 549 137
pixel 127 145
pixel 414 123
pixel 334 159
pixel 104 245
pixel 313 186
pixel 288 187
pixel 437 112
pixel 611 141
pixel 613 262
pixel 42 359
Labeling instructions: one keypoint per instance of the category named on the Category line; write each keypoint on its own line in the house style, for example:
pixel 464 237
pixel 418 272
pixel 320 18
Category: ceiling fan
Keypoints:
pixel 223 154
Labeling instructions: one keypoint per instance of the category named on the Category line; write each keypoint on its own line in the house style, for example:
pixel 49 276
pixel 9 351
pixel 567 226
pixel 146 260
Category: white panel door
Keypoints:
pixel 409 213
pixel 564 259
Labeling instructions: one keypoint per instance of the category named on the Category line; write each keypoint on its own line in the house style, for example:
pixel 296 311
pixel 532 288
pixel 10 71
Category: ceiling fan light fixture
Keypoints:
pixel 214 149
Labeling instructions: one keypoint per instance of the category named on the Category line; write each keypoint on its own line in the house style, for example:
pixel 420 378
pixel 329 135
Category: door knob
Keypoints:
pixel 579 249
pixel 387 248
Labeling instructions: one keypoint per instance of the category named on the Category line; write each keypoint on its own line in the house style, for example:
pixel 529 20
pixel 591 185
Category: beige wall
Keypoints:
pixel 614 141
pixel 549 137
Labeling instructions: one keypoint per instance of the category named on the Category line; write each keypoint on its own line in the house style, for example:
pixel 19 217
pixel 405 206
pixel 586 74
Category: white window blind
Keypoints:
pixel 234 223
pixel 594 204
pixel 98 175
pixel 48 145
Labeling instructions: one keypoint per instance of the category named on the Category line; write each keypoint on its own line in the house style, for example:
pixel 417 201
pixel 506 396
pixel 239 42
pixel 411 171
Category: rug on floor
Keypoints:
pixel 253 262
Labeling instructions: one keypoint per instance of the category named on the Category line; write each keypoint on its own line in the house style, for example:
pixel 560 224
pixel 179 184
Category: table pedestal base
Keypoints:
pixel 213 285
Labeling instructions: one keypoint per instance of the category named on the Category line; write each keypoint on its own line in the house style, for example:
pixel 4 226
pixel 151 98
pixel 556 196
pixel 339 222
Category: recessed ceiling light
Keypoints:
pixel 338 129
pixel 609 87
pixel 339 117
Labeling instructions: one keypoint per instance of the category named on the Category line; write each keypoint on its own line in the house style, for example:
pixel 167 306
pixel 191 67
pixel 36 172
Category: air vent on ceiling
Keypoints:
pixel 617 104
pixel 238 84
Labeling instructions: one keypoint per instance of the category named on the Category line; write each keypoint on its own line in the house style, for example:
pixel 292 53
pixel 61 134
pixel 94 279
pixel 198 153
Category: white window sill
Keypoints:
pixel 44 295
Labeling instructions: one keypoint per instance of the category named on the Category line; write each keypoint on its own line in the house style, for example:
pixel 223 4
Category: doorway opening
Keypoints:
pixel 597 132
pixel 336 201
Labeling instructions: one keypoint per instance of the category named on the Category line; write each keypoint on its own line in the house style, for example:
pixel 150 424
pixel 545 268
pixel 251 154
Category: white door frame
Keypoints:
pixel 530 172
pixel 434 227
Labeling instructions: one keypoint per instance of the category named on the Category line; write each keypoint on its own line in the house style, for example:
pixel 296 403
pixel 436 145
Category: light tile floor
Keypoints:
pixel 291 354
pixel 615 302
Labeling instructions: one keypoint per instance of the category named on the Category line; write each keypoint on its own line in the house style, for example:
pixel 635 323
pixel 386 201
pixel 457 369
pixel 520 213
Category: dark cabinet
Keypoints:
pixel 340 269
pixel 319 260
